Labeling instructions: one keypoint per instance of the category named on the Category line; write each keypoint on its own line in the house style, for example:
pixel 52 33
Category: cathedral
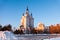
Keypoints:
pixel 27 21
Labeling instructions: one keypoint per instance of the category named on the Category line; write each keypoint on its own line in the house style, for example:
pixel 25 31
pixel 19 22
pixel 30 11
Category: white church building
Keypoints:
pixel 27 21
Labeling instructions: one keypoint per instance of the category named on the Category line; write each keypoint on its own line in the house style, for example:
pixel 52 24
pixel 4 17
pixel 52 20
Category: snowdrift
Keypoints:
pixel 6 35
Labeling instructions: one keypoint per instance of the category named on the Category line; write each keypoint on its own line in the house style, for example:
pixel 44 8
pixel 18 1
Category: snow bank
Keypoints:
pixel 2 35
pixel 6 35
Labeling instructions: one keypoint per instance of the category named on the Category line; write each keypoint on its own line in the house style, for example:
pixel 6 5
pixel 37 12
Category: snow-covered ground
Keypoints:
pixel 57 38
pixel 6 35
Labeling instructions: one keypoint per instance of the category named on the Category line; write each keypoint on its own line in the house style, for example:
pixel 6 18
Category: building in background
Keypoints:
pixel 40 27
pixel 27 21
pixel 54 29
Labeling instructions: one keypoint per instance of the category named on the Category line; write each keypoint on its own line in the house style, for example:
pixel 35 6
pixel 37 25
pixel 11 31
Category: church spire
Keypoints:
pixel 27 9
pixel 31 14
pixel 23 14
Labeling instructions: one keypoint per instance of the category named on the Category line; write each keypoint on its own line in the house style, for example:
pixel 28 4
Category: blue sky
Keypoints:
pixel 45 11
